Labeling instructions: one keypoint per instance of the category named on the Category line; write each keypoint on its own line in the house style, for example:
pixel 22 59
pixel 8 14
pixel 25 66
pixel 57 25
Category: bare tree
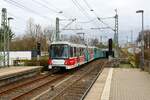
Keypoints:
pixel 48 32
pixel 146 38
pixel 75 39
pixel 94 42
pixel 34 33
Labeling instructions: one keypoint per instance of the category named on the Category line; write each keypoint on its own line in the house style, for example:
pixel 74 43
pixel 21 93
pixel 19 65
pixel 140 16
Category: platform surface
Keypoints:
pixel 121 84
pixel 14 70
pixel 130 84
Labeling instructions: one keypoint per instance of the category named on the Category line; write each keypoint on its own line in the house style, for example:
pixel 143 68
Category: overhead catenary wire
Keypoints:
pixel 51 9
pixel 69 24
pixel 44 4
pixel 89 21
pixel 98 18
pixel 20 5
pixel 17 4
pixel 15 17
pixel 82 10
pixel 65 14
pixel 14 3
pixel 90 7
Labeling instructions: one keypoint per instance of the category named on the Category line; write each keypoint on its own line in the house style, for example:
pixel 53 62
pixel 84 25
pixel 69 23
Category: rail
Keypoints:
pixel 85 94
pixel 24 95
pixel 78 88
pixel 22 85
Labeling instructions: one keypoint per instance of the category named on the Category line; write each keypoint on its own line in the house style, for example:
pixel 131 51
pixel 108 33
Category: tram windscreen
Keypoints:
pixel 58 51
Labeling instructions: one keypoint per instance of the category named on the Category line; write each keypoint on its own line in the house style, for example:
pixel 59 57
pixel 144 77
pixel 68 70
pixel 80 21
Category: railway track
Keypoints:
pixel 77 86
pixel 15 86
pixel 28 94
pixel 20 91
pixel 72 85
pixel 77 90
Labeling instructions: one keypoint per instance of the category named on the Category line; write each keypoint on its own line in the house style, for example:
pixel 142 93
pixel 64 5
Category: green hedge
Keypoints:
pixel 33 62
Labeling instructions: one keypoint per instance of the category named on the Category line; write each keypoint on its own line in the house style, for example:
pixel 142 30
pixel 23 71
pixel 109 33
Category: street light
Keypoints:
pixel 60 12
pixel 9 18
pixel 142 40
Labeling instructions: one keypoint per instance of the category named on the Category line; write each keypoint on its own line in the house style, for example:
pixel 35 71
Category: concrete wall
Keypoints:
pixel 18 55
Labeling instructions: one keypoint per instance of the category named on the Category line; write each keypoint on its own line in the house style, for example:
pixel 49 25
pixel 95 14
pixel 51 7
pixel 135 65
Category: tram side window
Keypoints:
pixel 75 51
pixel 71 51
pixel 89 50
pixel 81 51
pixel 78 52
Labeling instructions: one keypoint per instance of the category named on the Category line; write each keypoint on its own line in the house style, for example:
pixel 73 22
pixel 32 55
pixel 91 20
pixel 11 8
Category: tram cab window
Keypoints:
pixel 59 51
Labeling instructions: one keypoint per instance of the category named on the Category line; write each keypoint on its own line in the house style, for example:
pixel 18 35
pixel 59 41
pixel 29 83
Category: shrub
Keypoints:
pixel 137 59
pixel 42 62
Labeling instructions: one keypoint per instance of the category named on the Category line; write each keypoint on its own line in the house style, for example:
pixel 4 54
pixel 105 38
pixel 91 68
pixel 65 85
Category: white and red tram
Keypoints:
pixel 68 55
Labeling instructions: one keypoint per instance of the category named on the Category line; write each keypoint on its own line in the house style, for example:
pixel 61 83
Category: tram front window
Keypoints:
pixel 59 51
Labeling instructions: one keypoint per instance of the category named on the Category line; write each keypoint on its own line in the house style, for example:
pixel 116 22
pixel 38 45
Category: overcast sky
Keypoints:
pixel 44 12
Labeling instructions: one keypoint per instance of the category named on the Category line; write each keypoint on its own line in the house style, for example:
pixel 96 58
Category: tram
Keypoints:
pixel 68 55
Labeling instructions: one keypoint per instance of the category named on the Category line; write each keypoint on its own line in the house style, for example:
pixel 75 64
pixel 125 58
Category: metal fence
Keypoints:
pixel 1 59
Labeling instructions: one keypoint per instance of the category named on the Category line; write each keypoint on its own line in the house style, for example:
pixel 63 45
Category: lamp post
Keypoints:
pixel 142 40
pixel 8 37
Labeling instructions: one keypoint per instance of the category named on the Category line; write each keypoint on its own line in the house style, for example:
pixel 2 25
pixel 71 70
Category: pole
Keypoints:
pixel 142 56
pixel 142 41
pixel 4 26
pixel 8 38
pixel 8 41
pixel 116 35
pixel 57 37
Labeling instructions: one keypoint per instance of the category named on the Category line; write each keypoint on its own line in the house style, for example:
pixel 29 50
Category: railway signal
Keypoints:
pixel 38 50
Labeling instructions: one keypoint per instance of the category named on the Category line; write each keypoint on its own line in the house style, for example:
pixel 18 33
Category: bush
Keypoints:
pixel 137 59
pixel 42 62
pixel 147 54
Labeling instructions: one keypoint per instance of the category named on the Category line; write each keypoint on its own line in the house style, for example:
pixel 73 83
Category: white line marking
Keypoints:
pixel 50 88
pixel 106 91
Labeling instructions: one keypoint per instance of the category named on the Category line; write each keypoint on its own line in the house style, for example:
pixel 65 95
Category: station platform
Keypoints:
pixel 121 84
pixel 12 73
